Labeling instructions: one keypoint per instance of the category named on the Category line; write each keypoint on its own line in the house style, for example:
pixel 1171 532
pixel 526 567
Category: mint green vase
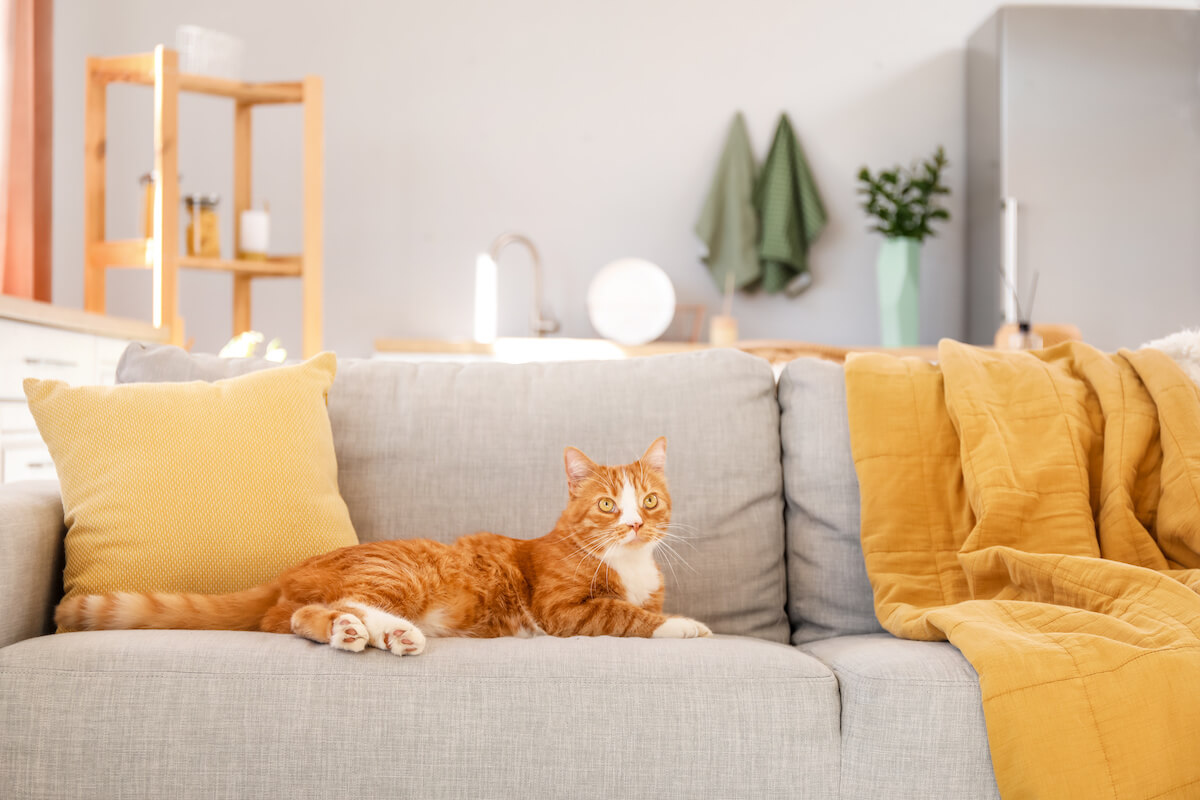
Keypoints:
pixel 899 272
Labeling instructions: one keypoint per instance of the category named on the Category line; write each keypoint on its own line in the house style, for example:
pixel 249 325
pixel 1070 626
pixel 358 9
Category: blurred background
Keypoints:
pixel 597 130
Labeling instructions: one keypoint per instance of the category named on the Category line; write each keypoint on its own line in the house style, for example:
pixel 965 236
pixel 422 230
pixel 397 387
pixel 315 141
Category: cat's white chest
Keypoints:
pixel 637 571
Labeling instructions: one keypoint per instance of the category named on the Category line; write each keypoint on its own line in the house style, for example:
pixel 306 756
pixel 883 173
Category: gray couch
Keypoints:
pixel 800 694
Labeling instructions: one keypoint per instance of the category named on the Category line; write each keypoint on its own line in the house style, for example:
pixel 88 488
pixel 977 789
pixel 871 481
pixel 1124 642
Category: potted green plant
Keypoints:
pixel 903 205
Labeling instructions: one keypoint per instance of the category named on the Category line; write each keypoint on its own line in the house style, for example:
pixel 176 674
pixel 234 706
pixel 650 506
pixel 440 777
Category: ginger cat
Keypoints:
pixel 593 575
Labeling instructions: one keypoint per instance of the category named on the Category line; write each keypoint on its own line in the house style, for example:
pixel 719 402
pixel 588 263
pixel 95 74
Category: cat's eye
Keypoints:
pixel 651 501
pixel 606 505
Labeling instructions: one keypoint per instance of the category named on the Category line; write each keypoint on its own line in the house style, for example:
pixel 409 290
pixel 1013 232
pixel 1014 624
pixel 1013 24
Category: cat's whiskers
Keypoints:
pixel 616 539
pixel 587 547
pixel 666 554
pixel 677 538
pixel 603 562
pixel 583 554
pixel 670 534
pixel 584 546
pixel 667 548
pixel 671 557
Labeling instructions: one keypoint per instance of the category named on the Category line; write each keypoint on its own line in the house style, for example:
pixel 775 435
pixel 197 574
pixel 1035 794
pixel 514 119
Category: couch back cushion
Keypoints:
pixel 828 590
pixel 438 450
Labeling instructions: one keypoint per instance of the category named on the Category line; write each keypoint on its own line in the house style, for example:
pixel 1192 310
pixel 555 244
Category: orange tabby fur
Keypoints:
pixel 393 594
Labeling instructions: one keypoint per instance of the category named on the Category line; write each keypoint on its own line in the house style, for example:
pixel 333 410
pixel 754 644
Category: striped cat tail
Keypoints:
pixel 240 611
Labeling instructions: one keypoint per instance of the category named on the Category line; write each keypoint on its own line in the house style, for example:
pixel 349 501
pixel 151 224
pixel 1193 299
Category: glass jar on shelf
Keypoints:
pixel 203 235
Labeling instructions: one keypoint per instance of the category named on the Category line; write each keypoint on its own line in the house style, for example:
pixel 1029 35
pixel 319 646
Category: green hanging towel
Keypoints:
pixel 728 225
pixel 790 212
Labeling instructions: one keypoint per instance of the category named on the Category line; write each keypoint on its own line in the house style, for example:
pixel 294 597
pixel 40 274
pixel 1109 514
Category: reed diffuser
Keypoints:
pixel 1024 337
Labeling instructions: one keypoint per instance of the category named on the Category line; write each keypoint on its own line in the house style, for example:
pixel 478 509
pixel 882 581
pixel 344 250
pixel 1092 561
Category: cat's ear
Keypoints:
pixel 579 468
pixel 656 456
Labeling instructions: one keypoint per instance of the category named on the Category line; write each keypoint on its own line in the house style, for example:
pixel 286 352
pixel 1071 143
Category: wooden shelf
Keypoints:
pixel 273 267
pixel 160 253
pixel 139 69
pixel 138 254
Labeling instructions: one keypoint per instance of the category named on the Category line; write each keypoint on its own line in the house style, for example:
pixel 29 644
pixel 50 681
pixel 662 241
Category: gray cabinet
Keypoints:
pixel 1083 161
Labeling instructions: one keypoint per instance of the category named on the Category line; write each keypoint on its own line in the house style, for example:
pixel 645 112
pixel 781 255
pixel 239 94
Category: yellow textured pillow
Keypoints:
pixel 194 487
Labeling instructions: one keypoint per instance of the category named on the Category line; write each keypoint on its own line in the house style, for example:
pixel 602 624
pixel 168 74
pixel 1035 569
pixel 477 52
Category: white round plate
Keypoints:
pixel 631 301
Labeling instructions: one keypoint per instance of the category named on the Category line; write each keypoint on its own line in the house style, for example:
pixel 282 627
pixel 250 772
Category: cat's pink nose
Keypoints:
pixel 637 526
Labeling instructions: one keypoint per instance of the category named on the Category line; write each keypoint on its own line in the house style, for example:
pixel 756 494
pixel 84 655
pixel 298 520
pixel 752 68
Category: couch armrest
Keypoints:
pixel 31 558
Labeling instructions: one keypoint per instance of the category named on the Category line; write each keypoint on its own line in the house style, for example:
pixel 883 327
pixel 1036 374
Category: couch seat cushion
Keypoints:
pixel 234 714
pixel 912 719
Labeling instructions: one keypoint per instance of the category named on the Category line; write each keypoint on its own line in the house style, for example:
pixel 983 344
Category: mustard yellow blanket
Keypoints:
pixel 1042 512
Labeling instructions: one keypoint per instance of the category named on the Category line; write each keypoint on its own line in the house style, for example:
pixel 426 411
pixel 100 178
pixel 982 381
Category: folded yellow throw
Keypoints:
pixel 1041 511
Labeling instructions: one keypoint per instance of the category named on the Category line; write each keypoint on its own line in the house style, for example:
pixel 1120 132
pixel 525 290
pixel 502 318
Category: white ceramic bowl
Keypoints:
pixel 631 301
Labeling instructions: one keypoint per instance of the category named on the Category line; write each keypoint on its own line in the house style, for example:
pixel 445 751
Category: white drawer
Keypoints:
pixel 36 351
pixel 26 460
pixel 15 417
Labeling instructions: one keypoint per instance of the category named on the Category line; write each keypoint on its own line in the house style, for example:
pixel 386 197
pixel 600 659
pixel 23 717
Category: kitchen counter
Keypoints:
pixel 521 350
pixel 74 319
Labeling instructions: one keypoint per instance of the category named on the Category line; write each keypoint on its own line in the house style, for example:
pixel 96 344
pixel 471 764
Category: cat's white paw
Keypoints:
pixel 348 633
pixel 681 628
pixel 405 641
pixel 389 632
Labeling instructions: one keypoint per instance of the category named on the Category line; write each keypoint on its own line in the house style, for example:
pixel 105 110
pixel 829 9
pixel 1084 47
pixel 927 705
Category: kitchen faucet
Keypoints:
pixel 540 325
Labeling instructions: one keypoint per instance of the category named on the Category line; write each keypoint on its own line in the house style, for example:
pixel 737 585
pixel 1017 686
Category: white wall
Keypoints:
pixel 594 128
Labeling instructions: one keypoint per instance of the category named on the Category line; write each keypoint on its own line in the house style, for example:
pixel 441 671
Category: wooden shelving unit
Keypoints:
pixel 161 252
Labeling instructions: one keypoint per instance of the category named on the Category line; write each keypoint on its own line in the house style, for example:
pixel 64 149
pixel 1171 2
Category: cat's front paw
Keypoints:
pixel 681 628
pixel 404 640
pixel 389 632
pixel 348 633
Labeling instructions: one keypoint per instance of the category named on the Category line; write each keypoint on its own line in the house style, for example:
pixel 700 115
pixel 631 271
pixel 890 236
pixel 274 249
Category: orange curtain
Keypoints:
pixel 25 152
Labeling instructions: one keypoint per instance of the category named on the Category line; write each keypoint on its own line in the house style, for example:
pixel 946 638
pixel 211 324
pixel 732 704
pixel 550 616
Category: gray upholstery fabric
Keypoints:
pixel 440 450
pixel 154 714
pixel 828 590
pixel 31 546
pixel 912 719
